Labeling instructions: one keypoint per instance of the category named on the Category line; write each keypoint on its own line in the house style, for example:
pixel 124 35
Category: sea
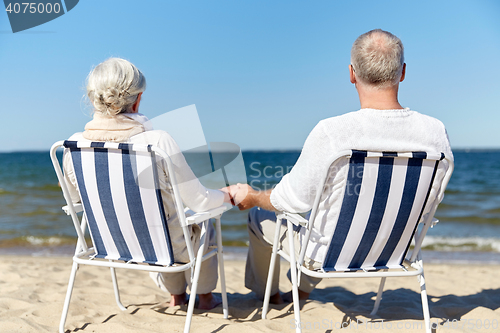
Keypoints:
pixel 32 222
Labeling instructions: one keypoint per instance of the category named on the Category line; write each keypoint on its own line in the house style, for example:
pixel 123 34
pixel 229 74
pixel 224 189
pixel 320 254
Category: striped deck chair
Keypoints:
pixel 385 196
pixel 123 208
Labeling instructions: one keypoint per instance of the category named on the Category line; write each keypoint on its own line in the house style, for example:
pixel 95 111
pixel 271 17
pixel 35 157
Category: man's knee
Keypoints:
pixel 253 215
pixel 253 224
pixel 257 215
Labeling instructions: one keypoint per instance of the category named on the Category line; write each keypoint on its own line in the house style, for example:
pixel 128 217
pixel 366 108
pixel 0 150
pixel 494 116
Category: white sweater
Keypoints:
pixel 366 129
pixel 194 195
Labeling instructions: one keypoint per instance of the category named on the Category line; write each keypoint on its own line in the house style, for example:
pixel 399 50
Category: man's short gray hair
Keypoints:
pixel 378 58
pixel 114 85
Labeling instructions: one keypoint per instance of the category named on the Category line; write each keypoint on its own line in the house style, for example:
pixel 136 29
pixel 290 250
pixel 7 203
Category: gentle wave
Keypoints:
pixel 39 212
pixel 494 211
pixel 5 192
pixel 470 219
pixel 434 243
pixel 38 241
pixel 48 187
pixel 466 244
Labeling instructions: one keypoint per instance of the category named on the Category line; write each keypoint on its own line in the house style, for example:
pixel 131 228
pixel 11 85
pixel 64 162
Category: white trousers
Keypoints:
pixel 176 283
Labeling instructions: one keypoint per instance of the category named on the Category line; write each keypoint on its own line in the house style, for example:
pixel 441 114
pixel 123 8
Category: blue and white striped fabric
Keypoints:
pixel 118 185
pixel 384 198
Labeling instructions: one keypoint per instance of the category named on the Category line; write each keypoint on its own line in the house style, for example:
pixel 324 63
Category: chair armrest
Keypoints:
pixel 78 208
pixel 203 216
pixel 294 218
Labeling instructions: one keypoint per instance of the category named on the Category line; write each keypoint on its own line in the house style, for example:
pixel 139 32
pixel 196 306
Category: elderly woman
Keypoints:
pixel 115 88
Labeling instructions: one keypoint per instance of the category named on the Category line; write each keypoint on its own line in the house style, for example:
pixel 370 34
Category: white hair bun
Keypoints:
pixel 113 86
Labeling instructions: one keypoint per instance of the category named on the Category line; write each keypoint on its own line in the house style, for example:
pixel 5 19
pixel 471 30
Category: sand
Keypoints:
pixel 32 291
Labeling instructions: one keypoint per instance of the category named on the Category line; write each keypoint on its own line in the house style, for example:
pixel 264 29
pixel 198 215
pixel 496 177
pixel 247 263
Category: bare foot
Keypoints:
pixel 208 301
pixel 287 297
pixel 178 299
pixel 276 299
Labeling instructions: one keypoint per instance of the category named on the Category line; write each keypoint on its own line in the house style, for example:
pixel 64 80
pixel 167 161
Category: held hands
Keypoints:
pixel 229 194
pixel 245 197
pixel 241 195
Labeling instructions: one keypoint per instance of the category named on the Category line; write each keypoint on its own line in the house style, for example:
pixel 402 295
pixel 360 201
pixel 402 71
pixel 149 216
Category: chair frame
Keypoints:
pixel 412 266
pixel 83 254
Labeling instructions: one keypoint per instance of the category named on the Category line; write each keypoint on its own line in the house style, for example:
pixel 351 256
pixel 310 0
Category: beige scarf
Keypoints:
pixel 117 128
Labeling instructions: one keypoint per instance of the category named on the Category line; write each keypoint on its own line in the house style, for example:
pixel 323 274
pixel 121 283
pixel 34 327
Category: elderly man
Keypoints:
pixel 377 67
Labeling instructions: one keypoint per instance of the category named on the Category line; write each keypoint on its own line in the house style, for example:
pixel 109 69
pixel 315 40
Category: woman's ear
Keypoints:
pixel 135 107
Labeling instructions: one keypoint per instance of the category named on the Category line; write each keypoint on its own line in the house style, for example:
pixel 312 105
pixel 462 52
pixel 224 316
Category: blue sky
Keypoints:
pixel 262 73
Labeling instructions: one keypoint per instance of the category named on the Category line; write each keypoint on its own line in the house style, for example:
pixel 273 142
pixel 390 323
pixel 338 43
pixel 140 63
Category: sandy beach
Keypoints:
pixel 32 291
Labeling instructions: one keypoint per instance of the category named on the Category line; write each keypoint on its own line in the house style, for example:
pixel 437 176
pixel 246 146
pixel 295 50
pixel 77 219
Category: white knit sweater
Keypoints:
pixel 194 195
pixel 367 129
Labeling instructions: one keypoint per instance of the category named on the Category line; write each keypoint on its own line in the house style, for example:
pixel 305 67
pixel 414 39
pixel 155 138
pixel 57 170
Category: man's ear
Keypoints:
pixel 403 73
pixel 352 74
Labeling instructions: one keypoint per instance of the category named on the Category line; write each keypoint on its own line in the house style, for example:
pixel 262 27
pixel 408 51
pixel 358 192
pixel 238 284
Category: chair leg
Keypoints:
pixel 425 303
pixel 379 297
pixel 117 291
pixel 225 308
pixel 293 271
pixel 270 274
pixel 68 297
pixel 194 282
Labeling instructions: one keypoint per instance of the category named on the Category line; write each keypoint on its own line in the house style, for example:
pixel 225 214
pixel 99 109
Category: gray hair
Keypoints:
pixel 114 85
pixel 378 58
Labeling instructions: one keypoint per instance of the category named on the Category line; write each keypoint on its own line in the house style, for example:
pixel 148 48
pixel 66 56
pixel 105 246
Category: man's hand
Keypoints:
pixel 245 196
pixel 240 195
pixel 248 198
pixel 230 193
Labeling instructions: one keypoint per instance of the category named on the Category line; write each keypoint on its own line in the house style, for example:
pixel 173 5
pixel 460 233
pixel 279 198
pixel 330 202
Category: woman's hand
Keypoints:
pixel 230 193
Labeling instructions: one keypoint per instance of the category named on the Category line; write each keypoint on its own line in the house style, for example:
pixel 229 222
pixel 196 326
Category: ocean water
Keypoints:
pixel 32 222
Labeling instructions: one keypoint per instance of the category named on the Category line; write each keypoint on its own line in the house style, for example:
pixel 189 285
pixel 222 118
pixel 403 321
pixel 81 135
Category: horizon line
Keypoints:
pixel 458 149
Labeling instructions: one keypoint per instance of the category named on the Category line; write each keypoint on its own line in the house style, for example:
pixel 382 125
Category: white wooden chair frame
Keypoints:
pixel 83 254
pixel 412 266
